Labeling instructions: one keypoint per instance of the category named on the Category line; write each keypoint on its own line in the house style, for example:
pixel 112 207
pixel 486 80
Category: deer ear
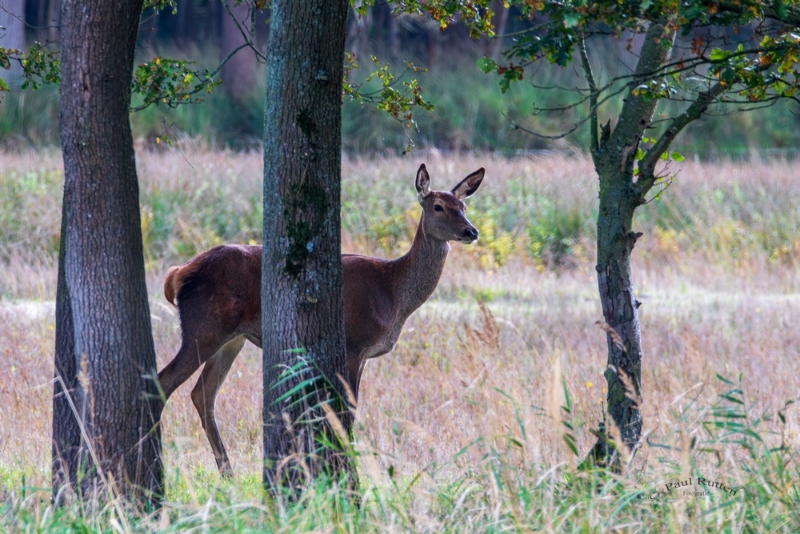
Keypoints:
pixel 467 187
pixel 423 183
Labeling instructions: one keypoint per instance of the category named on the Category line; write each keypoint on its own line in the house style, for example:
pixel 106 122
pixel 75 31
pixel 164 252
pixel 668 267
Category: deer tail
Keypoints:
pixel 172 283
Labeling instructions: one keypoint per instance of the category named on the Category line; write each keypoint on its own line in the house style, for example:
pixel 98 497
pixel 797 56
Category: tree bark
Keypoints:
pixel 104 345
pixel 619 197
pixel 66 445
pixel 302 285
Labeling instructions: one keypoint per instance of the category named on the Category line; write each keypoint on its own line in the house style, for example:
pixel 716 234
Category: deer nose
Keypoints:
pixel 471 233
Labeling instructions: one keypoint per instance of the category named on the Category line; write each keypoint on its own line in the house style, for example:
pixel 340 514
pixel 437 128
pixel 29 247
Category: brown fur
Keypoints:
pixel 173 281
pixel 219 299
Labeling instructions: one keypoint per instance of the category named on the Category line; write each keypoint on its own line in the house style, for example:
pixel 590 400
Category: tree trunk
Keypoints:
pixel 53 20
pixel 302 286
pixel 500 23
pixel 12 35
pixel 615 241
pixel 395 42
pixel 66 445
pixel 239 73
pixel 108 361
pixel 619 198
pixel 358 32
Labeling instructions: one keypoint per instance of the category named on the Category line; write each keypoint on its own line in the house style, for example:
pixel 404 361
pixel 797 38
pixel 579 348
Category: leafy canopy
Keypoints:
pixel 750 47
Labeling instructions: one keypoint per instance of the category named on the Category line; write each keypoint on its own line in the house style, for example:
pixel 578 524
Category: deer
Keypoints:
pixel 218 296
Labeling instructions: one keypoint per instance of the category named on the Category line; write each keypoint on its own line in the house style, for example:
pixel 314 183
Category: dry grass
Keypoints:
pixel 463 379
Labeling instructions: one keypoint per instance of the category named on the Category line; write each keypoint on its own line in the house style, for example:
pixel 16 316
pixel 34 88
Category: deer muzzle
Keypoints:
pixel 470 235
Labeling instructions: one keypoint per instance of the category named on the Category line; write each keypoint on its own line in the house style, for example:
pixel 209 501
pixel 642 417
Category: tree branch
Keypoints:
pixel 638 110
pixel 202 85
pixel 647 165
pixel 587 71
pixel 647 176
pixel 246 35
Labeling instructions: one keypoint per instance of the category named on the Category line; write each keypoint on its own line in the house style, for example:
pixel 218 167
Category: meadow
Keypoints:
pixel 473 422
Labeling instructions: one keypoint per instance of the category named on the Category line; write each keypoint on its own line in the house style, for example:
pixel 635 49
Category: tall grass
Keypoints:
pixel 485 451
pixel 464 426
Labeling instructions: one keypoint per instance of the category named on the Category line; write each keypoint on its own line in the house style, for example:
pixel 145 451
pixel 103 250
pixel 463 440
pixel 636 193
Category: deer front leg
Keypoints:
pixel 204 395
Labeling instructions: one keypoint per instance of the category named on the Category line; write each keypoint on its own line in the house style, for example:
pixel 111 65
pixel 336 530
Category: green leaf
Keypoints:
pixel 504 85
pixel 516 442
pixel 676 156
pixel 486 64
pixel 717 55
pixel 571 19
pixel 780 9
pixel 570 441
pixel 3 86
pixel 727 75
pixel 722 378
pixel 567 400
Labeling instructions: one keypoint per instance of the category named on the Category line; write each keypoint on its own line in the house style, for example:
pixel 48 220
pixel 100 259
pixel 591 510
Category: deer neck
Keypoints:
pixel 419 270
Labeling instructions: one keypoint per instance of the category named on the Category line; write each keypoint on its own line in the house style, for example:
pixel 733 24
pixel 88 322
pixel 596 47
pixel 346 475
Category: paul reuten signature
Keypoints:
pixel 699 483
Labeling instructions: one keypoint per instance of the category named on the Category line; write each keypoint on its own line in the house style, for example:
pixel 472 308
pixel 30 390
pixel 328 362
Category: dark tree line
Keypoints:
pixel 205 25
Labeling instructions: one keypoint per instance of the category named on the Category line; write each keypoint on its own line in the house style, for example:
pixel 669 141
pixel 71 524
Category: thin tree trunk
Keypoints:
pixel 619 197
pixel 394 34
pixel 239 73
pixel 41 17
pixel 500 24
pixel 12 35
pixel 53 20
pixel 358 32
pixel 109 360
pixel 302 286
pixel 615 241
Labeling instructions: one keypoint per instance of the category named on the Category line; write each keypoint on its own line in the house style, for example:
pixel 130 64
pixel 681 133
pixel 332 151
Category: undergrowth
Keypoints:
pixel 716 467
pixel 540 211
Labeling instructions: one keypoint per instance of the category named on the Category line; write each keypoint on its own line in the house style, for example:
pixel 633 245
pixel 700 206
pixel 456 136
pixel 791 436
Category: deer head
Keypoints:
pixel 443 215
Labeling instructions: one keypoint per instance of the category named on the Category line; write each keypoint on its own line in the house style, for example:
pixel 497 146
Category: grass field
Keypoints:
pixel 465 426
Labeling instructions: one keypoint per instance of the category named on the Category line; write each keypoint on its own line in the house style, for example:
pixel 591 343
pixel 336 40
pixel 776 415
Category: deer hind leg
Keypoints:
pixel 193 353
pixel 189 358
pixel 204 330
pixel 354 366
pixel 204 395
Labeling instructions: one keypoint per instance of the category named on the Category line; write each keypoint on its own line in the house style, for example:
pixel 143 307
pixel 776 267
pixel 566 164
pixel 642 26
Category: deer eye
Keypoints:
pixel 437 207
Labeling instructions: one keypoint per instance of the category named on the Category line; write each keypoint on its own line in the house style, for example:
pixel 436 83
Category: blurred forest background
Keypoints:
pixel 474 115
